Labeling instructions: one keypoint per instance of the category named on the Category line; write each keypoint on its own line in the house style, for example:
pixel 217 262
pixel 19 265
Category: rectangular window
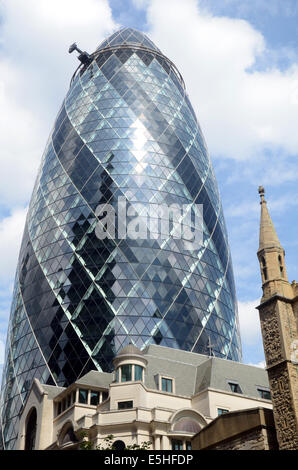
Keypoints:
pixel 167 385
pixel 124 405
pixel 59 408
pixel 264 393
pixel 94 398
pixel 117 374
pixel 138 373
pixel 74 396
pixel 221 411
pixel 235 388
pixel 188 445
pixel 105 396
pixel 83 396
pixel 68 400
pixel 177 445
pixel 126 373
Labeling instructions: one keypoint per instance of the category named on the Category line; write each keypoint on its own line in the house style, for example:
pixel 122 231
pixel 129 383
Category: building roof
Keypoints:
pixel 95 378
pixel 52 390
pixel 192 372
pixel 128 36
pixel 130 349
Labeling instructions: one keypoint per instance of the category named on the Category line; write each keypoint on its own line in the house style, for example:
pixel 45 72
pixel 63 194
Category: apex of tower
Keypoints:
pixel 268 236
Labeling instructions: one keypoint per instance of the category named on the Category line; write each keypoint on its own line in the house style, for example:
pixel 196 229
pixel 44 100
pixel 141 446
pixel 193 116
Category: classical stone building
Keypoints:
pixel 160 395
pixel 278 316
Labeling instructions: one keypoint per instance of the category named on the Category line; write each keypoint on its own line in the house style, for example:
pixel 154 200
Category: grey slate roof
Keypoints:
pixel 52 390
pixel 192 372
pixel 96 379
pixel 195 372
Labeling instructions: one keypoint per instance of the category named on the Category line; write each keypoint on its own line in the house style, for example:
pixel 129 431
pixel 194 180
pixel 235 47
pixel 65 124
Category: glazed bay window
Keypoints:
pixel 126 373
pixel 129 373
pixel 94 398
pixel 138 373
pixel 83 396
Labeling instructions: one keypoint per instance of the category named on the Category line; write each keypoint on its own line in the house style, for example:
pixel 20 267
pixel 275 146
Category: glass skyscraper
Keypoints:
pixel 125 129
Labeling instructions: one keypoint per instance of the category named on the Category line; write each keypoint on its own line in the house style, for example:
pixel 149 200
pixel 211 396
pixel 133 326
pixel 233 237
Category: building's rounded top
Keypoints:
pixel 130 349
pixel 127 36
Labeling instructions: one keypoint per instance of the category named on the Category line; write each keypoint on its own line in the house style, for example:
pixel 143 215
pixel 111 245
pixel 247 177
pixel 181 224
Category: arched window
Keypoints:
pixel 30 434
pixel 69 436
pixel 119 445
pixel 187 425
pixel 264 268
pixel 281 266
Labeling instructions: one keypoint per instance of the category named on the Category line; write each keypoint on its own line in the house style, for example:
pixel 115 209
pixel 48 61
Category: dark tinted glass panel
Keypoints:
pixel 83 396
pixel 126 373
pixel 177 445
pixel 94 398
pixel 138 372
pixel 123 405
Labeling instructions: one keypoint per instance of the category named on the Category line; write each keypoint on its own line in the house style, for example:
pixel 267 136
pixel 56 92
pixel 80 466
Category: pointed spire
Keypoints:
pixel 268 235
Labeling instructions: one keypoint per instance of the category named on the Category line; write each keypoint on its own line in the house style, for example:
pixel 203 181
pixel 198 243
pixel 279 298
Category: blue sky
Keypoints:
pixel 239 59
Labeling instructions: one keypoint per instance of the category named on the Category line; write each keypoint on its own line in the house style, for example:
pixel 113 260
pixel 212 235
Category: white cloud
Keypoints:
pixel 241 112
pixel 34 78
pixel 261 364
pixel 249 323
pixel 11 230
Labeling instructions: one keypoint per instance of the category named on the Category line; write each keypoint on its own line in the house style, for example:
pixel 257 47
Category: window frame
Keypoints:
pixel 239 389
pixel 264 390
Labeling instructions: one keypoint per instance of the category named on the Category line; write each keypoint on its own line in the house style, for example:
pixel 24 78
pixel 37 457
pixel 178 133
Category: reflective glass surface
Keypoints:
pixel 125 129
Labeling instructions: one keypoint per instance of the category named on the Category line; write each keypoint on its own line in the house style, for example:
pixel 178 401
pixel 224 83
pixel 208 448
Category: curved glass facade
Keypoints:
pixel 125 129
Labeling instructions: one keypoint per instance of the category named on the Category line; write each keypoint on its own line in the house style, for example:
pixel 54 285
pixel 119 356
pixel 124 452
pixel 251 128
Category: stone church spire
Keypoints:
pixel 278 317
pixel 271 255
pixel 268 235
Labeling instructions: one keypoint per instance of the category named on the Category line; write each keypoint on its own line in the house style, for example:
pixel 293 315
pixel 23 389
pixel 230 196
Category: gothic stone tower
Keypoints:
pixel 278 315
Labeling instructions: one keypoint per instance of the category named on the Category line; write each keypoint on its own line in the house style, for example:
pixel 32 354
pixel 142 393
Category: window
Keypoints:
pixel 105 396
pixel 68 400
pixel 94 398
pixel 59 408
pixel 31 430
pixel 119 445
pixel 124 405
pixel 221 411
pixel 138 373
pixel 177 445
pixel 235 387
pixel 264 393
pixel 188 445
pixel 167 385
pixel 126 375
pixel 117 374
pixel 74 396
pixel 83 396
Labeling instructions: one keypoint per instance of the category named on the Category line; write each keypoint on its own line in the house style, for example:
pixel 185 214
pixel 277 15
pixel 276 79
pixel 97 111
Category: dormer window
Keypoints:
pixel 235 387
